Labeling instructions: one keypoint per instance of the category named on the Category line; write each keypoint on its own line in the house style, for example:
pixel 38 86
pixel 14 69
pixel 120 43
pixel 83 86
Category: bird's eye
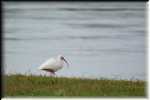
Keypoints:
pixel 61 57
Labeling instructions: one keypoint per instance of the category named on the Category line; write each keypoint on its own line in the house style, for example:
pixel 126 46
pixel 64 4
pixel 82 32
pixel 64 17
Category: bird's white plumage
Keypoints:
pixel 53 64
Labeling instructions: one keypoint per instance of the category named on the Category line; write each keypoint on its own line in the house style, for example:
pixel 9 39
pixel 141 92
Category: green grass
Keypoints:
pixel 21 85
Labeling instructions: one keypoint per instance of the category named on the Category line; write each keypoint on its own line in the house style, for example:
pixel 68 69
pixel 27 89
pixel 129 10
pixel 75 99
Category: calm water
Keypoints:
pixel 99 39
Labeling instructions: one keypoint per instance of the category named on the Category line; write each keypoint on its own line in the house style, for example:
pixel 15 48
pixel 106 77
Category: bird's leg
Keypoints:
pixel 52 73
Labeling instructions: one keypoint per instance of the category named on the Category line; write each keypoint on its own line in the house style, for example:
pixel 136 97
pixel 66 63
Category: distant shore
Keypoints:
pixel 22 85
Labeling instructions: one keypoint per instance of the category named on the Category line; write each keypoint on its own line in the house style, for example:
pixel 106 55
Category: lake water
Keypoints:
pixel 99 39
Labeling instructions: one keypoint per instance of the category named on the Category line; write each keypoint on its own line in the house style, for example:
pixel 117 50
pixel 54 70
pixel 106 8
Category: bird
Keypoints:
pixel 54 64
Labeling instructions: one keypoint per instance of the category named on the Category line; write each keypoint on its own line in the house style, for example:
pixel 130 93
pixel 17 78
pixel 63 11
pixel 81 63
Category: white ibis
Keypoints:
pixel 54 64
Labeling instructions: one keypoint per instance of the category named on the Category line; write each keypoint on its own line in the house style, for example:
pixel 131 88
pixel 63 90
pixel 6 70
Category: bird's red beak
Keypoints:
pixel 66 62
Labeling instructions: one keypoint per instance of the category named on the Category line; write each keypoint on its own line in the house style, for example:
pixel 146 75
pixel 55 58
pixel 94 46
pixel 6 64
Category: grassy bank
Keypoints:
pixel 20 85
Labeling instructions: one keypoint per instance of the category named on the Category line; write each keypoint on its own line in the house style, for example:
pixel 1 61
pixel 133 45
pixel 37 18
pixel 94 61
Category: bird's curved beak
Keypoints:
pixel 66 62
